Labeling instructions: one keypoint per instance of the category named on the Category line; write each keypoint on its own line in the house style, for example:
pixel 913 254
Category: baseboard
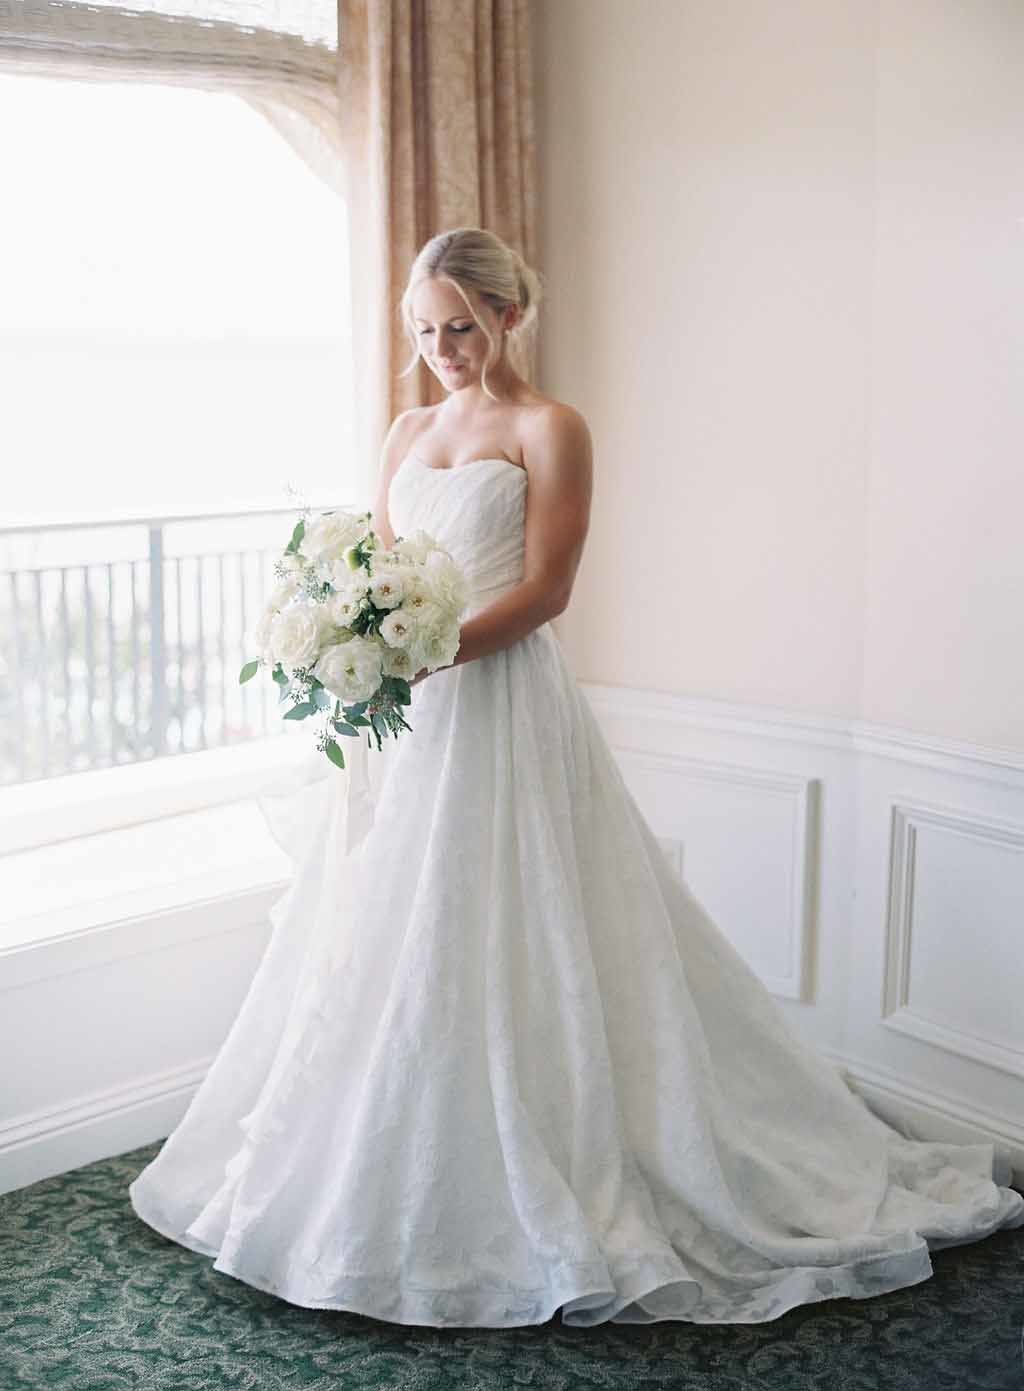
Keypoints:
pixel 926 1115
pixel 47 1143
pixel 51 1142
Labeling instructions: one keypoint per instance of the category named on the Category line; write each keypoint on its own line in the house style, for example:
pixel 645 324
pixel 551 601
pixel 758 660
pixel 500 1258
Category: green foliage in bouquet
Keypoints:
pixel 381 716
pixel 339 570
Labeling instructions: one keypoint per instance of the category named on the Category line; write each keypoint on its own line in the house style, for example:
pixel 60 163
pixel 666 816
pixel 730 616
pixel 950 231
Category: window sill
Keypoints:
pixel 88 851
pixel 55 810
pixel 56 892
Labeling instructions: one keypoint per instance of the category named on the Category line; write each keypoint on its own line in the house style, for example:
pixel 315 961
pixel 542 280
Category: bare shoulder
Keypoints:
pixel 403 430
pixel 556 435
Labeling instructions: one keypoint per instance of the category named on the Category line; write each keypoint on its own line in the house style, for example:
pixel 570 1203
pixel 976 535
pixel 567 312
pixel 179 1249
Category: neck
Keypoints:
pixel 506 384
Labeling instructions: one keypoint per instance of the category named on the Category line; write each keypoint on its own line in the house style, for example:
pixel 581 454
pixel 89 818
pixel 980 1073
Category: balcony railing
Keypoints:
pixel 124 636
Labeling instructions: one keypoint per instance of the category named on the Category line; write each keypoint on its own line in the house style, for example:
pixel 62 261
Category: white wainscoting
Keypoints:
pixel 874 879
pixel 106 1033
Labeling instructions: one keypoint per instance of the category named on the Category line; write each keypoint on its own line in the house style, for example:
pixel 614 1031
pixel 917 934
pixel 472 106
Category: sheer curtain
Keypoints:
pixel 278 55
pixel 438 124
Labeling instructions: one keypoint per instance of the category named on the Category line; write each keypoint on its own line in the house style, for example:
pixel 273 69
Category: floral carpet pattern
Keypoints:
pixel 92 1299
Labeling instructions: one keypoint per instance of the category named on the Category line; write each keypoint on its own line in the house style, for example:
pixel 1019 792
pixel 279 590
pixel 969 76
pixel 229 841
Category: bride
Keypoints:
pixel 497 1061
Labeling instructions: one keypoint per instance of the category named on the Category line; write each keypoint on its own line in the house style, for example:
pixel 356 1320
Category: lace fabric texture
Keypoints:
pixel 498 1061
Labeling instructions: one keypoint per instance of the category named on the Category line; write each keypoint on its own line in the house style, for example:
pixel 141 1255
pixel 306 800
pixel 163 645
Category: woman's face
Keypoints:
pixel 451 343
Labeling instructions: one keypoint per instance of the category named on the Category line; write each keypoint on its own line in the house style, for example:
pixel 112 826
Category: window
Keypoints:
pixel 173 349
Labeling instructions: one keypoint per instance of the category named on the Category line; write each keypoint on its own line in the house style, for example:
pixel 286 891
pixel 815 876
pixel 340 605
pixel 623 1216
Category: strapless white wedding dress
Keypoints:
pixel 497 1061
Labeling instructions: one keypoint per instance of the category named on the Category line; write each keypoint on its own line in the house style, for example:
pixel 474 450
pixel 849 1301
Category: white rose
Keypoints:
pixel 437 647
pixel 296 634
pixel 388 589
pixel 416 546
pixel 430 617
pixel 351 670
pixel 344 606
pixel 399 628
pixel 344 578
pixel 261 634
pixel 332 534
pixel 418 593
pixel 327 624
pixel 382 560
pixel 398 661
pixel 284 590
pixel 292 563
pixel 446 582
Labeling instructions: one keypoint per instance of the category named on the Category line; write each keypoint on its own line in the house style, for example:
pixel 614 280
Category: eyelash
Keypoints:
pixel 465 329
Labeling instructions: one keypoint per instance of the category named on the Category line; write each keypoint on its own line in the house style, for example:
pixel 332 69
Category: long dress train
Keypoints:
pixel 497 1060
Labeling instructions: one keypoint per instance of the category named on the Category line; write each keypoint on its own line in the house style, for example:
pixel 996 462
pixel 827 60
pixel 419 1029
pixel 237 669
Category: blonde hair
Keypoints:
pixel 471 258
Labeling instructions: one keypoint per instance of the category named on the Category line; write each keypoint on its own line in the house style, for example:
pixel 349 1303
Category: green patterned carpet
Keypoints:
pixel 91 1299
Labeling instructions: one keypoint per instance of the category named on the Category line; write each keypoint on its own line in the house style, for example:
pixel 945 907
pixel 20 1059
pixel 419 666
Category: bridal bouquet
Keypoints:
pixel 349 622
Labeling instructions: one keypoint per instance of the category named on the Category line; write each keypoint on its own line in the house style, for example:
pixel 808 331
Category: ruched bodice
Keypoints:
pixel 476 511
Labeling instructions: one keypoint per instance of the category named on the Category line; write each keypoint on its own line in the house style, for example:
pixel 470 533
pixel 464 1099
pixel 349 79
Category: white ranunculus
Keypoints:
pixel 387 589
pixel 292 563
pixel 332 534
pixel 399 628
pixel 446 582
pixel 296 635
pixel 351 670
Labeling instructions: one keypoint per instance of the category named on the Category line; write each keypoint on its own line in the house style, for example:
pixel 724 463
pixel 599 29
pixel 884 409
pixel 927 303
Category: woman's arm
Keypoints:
pixel 559 459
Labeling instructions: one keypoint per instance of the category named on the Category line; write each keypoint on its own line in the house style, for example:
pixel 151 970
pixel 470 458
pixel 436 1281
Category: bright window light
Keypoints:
pixel 174 329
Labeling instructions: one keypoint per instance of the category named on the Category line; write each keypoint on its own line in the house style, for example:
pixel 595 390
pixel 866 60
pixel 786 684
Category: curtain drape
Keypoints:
pixel 438 132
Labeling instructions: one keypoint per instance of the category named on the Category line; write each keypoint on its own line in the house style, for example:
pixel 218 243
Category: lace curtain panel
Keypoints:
pixel 280 57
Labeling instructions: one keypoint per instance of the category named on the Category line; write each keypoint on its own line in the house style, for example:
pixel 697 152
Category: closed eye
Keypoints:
pixel 464 329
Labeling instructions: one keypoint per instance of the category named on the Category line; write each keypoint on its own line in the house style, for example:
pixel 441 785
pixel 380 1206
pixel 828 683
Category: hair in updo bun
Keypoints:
pixel 471 258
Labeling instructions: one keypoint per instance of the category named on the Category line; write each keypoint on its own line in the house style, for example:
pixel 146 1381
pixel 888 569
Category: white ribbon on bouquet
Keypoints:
pixel 291 802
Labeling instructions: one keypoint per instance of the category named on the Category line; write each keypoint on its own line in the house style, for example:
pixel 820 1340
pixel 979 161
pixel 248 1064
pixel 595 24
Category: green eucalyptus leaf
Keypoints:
pixel 248 671
pixel 334 753
pixel 301 712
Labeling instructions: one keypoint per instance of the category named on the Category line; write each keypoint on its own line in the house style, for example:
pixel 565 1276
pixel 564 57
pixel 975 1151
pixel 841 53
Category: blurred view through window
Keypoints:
pixel 175 363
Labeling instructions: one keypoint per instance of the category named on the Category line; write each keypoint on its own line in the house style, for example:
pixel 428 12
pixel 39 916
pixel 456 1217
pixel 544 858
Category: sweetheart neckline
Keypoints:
pixel 497 459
